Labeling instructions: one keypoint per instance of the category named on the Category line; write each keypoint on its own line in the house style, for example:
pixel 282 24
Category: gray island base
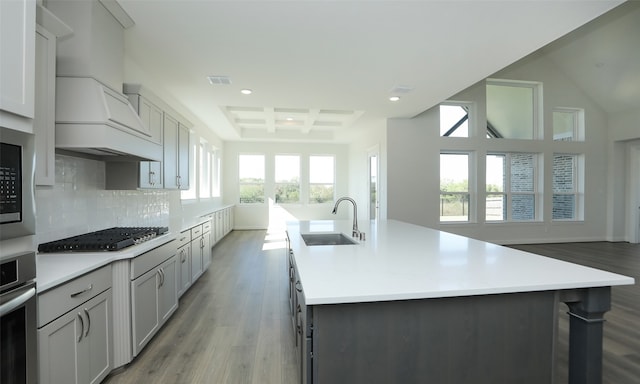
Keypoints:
pixel 415 305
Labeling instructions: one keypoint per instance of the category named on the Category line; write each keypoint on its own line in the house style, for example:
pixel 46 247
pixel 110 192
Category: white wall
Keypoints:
pixel 413 162
pixel 259 216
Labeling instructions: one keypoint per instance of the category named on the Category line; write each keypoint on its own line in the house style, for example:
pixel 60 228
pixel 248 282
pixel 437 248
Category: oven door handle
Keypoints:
pixel 16 302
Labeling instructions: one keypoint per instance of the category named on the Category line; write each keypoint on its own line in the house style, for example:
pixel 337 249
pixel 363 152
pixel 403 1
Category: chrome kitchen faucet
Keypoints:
pixel 355 233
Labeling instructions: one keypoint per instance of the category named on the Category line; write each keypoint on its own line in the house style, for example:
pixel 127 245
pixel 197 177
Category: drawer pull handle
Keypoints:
pixel 90 287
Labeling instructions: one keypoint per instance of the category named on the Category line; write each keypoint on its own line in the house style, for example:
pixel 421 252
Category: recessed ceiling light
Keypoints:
pixel 289 119
pixel 246 91
pixel 394 98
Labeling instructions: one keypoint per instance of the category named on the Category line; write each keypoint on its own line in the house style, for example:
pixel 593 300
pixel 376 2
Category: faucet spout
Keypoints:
pixel 355 232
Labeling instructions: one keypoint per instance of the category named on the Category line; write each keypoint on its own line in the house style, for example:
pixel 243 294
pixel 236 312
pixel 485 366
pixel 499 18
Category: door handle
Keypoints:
pixel 81 326
pixel 86 312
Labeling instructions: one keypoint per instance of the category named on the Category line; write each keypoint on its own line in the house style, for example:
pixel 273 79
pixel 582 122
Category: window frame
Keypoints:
pixel 277 183
pixel 578 187
pixel 470 121
pixel 508 194
pixel 537 106
pixel 470 195
pixel 263 183
pixel 311 184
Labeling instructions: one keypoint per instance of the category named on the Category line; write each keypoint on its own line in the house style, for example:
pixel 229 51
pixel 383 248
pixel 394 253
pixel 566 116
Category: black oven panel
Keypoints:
pixel 10 183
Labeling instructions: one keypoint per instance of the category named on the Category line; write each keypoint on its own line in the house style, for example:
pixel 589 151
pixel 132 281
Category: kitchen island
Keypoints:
pixel 412 304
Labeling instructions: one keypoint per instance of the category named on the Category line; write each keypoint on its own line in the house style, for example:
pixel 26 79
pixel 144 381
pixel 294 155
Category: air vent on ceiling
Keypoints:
pixel 219 80
pixel 401 89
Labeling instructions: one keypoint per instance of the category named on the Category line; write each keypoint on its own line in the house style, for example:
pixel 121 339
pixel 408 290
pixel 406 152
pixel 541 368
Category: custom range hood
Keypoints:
pixel 94 119
pixel 92 115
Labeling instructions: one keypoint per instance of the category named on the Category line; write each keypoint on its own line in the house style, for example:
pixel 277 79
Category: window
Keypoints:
pixel 568 124
pixel 321 179
pixel 205 170
pixel 251 178
pixel 287 179
pixel 566 187
pixel 511 187
pixel 215 173
pixel 454 120
pixel 191 193
pixel 454 187
pixel 512 110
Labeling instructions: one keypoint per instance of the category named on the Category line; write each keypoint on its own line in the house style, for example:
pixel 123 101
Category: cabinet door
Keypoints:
pixel 206 250
pixel 151 116
pixel 17 39
pixel 144 308
pixel 184 258
pixel 44 117
pixel 196 258
pixel 170 158
pixel 98 338
pixel 58 349
pixel 183 156
pixel 168 289
pixel 150 175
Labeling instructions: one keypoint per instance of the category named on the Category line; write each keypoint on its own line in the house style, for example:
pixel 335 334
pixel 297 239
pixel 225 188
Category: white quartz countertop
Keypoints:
pixel 400 261
pixel 53 269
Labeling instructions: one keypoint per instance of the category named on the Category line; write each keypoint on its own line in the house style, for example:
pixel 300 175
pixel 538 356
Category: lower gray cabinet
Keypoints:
pixel 77 347
pixel 184 261
pixel 154 298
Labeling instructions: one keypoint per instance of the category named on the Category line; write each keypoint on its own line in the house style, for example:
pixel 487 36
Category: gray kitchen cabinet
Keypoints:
pixel 301 319
pixel 154 298
pixel 184 260
pixel 48 30
pixel 17 36
pixel 75 342
pixel 206 245
pixel 199 251
pixel 44 117
pixel 176 153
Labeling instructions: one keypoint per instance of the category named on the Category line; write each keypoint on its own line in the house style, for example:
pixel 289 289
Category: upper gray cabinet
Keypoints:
pixel 17 44
pixel 48 29
pixel 165 127
pixel 176 153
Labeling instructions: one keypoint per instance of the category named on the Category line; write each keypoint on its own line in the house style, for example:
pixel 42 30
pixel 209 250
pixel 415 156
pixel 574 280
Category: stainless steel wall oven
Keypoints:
pixel 18 335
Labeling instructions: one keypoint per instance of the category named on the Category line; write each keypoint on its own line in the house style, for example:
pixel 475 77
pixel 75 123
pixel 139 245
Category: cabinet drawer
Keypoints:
pixel 184 238
pixel 206 226
pixel 196 232
pixel 152 259
pixel 57 301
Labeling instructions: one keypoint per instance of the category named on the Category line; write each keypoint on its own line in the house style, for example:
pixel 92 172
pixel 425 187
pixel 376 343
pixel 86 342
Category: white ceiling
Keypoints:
pixel 332 65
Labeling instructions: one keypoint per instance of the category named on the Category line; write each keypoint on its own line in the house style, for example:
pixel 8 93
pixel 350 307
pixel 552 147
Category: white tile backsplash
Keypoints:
pixel 78 203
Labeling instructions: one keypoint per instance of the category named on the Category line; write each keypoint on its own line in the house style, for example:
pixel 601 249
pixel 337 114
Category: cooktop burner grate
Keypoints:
pixel 111 239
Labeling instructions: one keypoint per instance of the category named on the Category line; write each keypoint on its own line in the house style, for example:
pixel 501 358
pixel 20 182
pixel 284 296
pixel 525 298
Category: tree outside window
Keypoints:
pixel 287 187
pixel 454 187
pixel 321 179
pixel 251 179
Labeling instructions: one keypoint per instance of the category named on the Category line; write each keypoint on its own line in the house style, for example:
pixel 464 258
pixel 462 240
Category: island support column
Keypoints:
pixel 586 320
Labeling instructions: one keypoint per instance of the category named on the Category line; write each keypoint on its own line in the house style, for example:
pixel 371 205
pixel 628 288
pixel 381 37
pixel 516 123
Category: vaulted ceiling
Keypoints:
pixel 319 69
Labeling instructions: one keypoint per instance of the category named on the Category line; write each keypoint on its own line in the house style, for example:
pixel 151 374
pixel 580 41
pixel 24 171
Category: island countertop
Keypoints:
pixel 401 261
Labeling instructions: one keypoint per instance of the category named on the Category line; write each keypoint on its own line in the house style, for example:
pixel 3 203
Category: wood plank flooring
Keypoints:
pixel 233 325
pixel 621 350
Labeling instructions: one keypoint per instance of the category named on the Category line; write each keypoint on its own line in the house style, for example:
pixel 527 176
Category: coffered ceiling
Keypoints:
pixel 319 70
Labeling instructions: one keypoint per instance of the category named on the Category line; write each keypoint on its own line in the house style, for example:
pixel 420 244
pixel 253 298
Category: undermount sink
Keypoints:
pixel 327 239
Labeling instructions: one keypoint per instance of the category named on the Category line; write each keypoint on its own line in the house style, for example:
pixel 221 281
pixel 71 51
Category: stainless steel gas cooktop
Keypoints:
pixel 111 239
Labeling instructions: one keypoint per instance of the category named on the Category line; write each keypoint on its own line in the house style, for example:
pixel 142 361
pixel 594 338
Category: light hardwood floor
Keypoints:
pixel 233 325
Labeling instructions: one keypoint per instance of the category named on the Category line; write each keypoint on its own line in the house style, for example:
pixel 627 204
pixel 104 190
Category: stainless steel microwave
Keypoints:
pixel 17 200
